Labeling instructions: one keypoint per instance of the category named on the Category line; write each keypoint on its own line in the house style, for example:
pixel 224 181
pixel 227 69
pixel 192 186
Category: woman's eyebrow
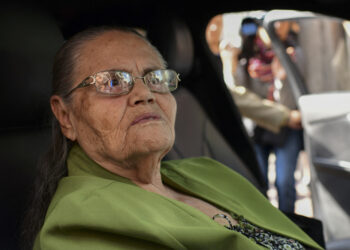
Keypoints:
pixel 119 69
pixel 145 71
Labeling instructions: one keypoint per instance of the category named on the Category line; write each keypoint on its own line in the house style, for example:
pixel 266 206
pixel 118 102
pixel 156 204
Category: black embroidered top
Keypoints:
pixel 261 236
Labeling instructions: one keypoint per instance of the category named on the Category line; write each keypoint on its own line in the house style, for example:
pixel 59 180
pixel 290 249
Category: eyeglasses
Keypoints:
pixel 116 83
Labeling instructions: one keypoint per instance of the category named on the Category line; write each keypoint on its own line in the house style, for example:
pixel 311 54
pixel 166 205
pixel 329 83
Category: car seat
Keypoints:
pixel 196 134
pixel 27 47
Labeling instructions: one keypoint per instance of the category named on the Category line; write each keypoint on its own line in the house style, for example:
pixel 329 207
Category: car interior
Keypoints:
pixel 208 121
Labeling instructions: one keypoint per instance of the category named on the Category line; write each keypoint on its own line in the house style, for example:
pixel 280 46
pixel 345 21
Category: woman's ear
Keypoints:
pixel 62 114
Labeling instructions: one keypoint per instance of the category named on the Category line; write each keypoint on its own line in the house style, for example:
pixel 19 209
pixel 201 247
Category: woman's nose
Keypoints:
pixel 141 94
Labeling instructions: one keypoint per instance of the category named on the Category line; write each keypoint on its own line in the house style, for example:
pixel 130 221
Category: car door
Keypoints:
pixel 321 85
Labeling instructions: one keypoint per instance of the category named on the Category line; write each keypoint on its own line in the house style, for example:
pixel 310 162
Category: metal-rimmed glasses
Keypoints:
pixel 116 83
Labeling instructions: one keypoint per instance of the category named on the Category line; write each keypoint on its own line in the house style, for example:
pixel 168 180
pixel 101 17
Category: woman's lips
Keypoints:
pixel 145 118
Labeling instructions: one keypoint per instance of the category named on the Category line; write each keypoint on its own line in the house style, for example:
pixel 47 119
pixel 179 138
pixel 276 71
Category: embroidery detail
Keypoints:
pixel 261 236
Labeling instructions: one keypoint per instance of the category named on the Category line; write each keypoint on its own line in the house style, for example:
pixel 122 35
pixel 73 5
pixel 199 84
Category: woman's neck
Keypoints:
pixel 144 171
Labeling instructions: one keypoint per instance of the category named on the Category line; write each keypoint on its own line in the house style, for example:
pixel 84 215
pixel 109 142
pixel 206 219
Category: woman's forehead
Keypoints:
pixel 118 43
pixel 117 50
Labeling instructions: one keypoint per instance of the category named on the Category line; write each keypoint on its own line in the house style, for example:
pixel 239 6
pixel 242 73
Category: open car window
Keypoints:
pixel 313 55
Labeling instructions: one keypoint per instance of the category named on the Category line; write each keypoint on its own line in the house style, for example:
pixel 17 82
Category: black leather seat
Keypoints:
pixel 27 47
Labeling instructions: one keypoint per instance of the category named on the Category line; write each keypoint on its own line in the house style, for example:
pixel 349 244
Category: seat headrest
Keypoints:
pixel 27 47
pixel 174 41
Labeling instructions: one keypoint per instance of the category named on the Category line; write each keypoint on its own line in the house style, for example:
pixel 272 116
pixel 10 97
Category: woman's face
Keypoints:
pixel 121 129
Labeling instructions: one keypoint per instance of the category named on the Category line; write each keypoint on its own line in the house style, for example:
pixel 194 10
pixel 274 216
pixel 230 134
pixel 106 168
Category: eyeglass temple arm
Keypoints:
pixel 178 77
pixel 83 84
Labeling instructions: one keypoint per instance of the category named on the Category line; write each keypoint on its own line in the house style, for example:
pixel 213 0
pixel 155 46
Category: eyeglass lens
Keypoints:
pixel 119 82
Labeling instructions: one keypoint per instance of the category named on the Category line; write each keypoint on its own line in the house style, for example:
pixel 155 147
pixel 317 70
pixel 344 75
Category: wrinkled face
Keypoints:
pixel 121 128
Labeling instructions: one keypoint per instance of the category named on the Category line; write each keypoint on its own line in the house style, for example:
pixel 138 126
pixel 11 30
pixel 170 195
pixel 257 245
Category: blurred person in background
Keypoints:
pixel 251 71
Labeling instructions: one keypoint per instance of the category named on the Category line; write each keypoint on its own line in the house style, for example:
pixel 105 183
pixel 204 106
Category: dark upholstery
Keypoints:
pixel 28 43
pixel 197 136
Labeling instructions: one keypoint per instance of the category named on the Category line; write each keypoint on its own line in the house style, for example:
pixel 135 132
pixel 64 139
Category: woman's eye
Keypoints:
pixel 155 80
pixel 113 83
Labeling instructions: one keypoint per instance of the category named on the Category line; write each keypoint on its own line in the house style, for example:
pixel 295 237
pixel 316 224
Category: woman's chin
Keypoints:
pixel 153 143
pixel 157 144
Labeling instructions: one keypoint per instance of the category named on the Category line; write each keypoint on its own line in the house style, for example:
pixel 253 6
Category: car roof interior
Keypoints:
pixel 208 122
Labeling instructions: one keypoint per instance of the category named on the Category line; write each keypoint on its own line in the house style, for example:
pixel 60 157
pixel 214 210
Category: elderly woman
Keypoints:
pixel 116 120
